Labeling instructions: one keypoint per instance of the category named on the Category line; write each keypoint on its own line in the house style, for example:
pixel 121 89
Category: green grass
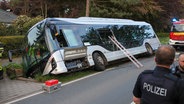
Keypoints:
pixel 65 77
pixel 164 40
pixel 163 37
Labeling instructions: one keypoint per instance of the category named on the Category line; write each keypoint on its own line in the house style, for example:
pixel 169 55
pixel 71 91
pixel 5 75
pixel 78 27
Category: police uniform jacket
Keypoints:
pixel 157 86
pixel 179 73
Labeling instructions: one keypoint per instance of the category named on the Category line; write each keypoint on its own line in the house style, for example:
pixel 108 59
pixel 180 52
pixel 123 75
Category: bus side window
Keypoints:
pixel 92 36
pixel 106 42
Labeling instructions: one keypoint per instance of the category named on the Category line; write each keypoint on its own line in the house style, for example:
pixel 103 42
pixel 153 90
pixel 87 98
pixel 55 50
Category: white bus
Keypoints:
pixel 60 45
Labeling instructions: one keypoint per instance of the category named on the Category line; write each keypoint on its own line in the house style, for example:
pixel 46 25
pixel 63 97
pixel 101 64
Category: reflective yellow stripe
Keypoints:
pixel 179 34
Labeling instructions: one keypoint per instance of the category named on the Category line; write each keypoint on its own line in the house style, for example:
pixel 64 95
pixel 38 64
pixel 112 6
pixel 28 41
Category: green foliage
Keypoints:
pixel 19 24
pixel 13 65
pixel 163 37
pixel 109 8
pixel 10 30
pixel 19 27
pixel 156 12
pixel 12 36
pixel 49 8
pixel 10 43
pixel 6 30
pixel 2 28
pixel 23 23
pixel 124 9
pixel 144 10
pixel 66 77
pixel 31 22
pixel 11 70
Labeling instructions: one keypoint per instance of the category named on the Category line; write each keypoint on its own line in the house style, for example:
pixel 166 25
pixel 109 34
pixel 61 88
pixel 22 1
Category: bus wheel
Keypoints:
pixel 99 62
pixel 149 50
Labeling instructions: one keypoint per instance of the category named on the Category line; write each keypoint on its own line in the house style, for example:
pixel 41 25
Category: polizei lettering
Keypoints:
pixel 155 89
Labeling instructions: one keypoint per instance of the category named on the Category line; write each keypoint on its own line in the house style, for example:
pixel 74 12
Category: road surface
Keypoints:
pixel 113 86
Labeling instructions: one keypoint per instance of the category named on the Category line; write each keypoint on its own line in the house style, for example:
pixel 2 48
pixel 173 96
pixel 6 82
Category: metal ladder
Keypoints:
pixel 125 51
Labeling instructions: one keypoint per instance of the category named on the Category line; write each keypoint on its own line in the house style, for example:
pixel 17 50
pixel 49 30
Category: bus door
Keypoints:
pixel 106 42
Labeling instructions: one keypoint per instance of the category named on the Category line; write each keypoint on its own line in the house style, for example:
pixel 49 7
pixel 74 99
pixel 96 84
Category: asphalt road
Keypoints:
pixel 113 86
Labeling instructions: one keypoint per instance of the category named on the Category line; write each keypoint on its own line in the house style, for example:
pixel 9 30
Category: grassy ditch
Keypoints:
pixel 65 77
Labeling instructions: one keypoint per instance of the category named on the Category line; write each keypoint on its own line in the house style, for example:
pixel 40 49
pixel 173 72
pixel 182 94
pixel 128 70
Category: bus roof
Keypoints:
pixel 95 20
pixel 91 20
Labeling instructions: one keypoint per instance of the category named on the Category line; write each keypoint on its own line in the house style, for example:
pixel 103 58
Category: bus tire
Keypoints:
pixel 99 62
pixel 149 49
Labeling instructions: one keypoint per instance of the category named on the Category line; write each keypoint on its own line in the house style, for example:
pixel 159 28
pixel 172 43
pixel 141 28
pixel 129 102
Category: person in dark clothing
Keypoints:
pixel 179 70
pixel 159 86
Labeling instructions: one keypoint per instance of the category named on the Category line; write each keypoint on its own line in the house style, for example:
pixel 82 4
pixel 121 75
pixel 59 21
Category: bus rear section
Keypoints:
pixel 177 34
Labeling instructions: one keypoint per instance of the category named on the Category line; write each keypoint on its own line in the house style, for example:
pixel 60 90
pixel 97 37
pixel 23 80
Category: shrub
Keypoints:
pixel 11 43
pixel 23 23
pixel 19 24
pixel 13 70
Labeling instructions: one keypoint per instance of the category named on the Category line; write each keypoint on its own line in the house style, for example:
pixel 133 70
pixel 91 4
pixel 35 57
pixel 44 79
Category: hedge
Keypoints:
pixel 11 43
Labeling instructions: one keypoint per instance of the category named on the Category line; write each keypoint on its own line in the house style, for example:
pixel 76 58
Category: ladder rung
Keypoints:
pixel 125 51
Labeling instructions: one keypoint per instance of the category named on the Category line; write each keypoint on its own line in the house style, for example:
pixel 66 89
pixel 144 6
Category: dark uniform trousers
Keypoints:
pixel 157 86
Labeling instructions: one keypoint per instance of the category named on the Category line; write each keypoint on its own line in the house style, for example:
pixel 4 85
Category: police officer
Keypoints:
pixel 158 86
pixel 179 70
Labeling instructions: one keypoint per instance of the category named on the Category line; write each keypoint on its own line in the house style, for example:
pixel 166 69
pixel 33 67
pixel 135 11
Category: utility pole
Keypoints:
pixel 87 7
